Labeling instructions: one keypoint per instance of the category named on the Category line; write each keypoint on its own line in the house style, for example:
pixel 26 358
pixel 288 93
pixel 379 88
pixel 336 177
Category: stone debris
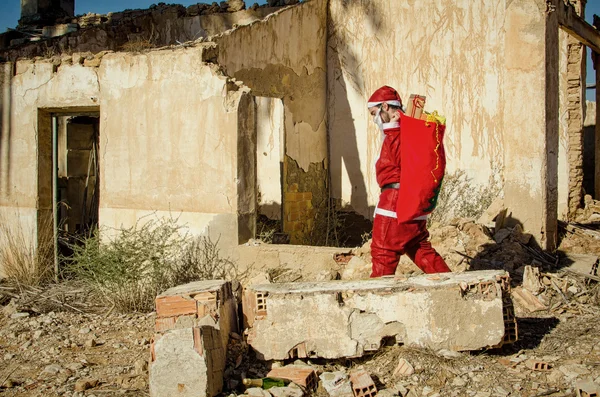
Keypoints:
pixel 348 319
pixel 85 384
pixel 337 384
pixel 404 368
pixel 531 279
pixel 587 388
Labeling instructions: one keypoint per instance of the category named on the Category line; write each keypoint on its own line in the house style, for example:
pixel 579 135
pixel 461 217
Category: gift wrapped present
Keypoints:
pixel 415 106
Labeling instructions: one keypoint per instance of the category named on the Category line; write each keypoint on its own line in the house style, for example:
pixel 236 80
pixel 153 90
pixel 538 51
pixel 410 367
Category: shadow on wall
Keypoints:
pixel 589 159
pixel 5 126
pixel 342 57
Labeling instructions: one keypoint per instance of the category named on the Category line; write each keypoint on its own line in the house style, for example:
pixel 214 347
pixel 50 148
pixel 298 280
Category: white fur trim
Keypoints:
pixel 393 103
pixel 392 214
pixel 382 212
pixel 389 126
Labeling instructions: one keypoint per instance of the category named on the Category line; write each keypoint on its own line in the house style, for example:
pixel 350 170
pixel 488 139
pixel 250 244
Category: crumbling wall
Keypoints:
pixel 168 137
pixel 169 141
pixel 283 56
pixel 450 51
pixel 135 30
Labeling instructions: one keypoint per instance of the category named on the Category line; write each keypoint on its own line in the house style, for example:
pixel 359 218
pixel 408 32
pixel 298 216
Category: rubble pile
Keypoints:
pixel 61 341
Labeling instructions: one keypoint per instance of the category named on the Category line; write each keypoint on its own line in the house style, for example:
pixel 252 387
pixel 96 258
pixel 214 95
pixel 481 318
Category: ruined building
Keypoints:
pixel 219 115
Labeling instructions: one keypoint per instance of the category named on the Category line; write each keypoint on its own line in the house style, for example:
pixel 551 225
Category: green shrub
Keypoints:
pixel 461 198
pixel 138 263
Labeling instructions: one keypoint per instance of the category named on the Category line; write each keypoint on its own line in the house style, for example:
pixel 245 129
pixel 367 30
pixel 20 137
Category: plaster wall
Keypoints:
pixel 284 56
pixel 531 153
pixel 450 51
pixel 270 155
pixel 168 138
pixel 563 149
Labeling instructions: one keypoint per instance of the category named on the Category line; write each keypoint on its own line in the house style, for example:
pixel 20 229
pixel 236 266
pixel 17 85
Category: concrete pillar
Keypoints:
pixel 45 12
pixel 531 118
pixel 467 311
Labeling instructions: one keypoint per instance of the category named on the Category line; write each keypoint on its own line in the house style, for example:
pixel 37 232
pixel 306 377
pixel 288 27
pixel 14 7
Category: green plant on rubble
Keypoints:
pixel 459 197
pixel 139 262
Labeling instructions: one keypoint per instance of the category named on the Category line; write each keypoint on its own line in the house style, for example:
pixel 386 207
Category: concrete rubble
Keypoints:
pixel 467 311
pixel 193 324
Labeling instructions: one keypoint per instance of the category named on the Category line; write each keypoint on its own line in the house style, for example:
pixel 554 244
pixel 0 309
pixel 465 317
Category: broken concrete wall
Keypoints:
pixel 168 138
pixel 135 30
pixel 467 311
pixel 283 56
pixel 450 51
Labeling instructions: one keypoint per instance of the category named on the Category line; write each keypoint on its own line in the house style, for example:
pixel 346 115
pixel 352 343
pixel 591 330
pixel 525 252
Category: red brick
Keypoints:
pixel 301 376
pixel 362 384
pixel 169 306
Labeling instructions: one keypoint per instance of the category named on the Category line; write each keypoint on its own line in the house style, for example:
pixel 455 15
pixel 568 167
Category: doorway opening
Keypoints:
pixel 68 175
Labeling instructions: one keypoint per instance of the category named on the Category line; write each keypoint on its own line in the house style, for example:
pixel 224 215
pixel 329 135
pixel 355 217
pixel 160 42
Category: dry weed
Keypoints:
pixel 137 45
pixel 27 257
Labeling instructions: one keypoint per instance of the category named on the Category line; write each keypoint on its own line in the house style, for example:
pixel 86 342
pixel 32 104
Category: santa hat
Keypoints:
pixel 385 94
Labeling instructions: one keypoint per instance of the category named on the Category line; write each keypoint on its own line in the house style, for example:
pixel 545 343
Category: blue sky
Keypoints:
pixel 10 10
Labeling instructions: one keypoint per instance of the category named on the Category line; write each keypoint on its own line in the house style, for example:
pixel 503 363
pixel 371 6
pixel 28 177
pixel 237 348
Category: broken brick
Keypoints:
pixel 536 365
pixel 404 368
pixel 362 384
pixel 302 376
pixel 527 300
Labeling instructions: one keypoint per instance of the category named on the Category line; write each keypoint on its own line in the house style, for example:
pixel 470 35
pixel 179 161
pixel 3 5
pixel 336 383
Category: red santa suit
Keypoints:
pixel 392 238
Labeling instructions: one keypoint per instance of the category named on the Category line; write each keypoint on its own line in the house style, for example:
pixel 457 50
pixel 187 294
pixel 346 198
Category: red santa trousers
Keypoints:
pixel 392 239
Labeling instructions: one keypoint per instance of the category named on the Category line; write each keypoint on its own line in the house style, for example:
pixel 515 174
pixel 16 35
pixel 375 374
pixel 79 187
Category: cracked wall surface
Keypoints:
pixel 467 311
pixel 450 51
pixel 283 56
pixel 168 137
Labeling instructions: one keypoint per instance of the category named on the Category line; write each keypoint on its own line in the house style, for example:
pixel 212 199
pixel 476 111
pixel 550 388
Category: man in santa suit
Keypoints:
pixel 392 239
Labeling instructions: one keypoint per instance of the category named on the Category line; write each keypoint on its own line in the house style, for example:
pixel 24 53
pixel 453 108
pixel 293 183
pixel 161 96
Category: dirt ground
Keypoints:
pixel 61 342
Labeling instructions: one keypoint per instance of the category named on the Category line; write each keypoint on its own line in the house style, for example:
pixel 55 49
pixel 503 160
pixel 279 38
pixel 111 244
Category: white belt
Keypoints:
pixel 392 214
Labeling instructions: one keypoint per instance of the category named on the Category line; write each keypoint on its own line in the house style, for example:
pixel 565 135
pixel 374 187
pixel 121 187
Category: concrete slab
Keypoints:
pixel 467 311
pixel 187 363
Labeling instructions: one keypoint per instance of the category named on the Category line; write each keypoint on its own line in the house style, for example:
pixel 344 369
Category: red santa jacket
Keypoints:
pixel 387 168
pixel 413 155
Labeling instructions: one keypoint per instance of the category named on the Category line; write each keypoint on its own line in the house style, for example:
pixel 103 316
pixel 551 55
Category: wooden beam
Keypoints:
pixel 575 25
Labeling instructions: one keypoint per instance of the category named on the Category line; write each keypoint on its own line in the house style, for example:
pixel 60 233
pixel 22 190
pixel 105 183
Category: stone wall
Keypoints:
pixel 168 138
pixel 283 57
pixel 135 30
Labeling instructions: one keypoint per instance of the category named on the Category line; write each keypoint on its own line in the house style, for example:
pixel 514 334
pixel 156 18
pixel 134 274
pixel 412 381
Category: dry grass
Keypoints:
pixel 137 45
pixel 27 257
